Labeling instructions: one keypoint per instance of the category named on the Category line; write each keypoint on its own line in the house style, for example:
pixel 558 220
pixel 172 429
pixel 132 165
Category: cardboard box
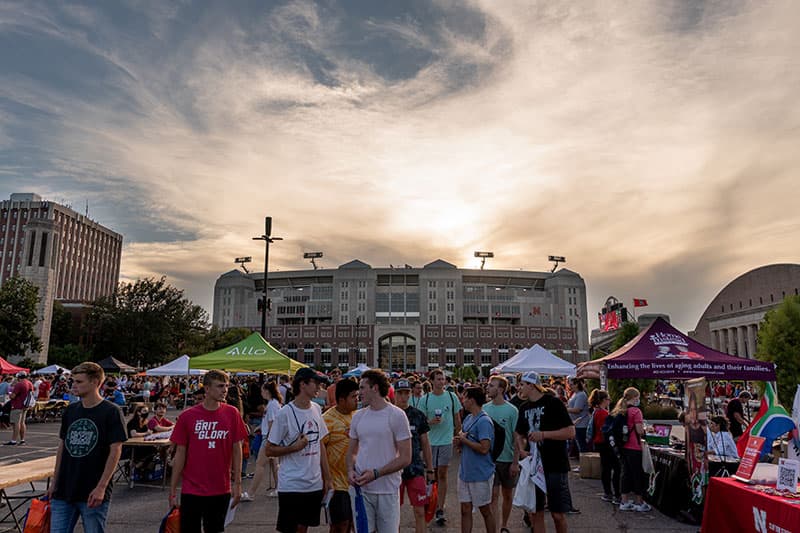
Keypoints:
pixel 590 465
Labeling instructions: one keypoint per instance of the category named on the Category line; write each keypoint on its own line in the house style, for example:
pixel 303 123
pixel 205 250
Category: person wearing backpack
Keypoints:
pixel 504 414
pixel 609 463
pixel 634 480
pixel 476 472
pixel 22 399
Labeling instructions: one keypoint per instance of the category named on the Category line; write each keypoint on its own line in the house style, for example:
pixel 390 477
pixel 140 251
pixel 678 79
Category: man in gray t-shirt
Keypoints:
pixel 578 409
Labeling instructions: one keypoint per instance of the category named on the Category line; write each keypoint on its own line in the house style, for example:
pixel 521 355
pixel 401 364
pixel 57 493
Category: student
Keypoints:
pixel 296 438
pixel 208 439
pixel 137 425
pixel 19 395
pixel 160 423
pixel 633 476
pixel 269 392
pixel 338 420
pixel 89 448
pixel 609 463
pixel 380 447
pixel 505 414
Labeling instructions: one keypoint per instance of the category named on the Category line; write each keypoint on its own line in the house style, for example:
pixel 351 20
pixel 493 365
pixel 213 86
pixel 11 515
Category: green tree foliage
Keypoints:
pixel 18 300
pixel 148 321
pixel 616 387
pixel 68 355
pixel 62 331
pixel 779 342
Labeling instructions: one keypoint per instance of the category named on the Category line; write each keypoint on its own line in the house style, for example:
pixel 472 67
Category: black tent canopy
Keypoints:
pixel 113 365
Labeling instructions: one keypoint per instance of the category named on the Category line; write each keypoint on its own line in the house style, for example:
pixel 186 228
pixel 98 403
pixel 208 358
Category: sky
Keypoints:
pixel 653 144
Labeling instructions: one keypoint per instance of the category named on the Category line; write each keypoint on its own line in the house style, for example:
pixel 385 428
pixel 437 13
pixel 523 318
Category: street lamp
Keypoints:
pixel 313 256
pixel 484 256
pixel 268 239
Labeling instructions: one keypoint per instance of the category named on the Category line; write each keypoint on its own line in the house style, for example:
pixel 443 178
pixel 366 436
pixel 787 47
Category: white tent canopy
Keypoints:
pixel 357 371
pixel 52 369
pixel 178 367
pixel 537 359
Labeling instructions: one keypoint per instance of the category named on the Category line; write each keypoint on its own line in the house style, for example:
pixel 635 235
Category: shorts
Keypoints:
pixel 16 415
pixel 208 511
pixel 417 491
pixel 479 493
pixel 339 508
pixel 298 508
pixel 558 496
pixel 503 477
pixel 383 512
pixel 442 455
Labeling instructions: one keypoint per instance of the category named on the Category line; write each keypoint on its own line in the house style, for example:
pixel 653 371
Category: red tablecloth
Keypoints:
pixel 734 506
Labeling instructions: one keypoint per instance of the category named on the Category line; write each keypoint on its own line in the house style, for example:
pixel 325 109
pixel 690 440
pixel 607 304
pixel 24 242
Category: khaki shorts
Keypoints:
pixel 16 414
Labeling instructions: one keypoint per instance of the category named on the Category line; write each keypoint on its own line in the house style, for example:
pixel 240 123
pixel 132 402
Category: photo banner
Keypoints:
pixel 695 422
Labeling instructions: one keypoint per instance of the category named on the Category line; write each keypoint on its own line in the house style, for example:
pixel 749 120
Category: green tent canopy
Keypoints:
pixel 253 354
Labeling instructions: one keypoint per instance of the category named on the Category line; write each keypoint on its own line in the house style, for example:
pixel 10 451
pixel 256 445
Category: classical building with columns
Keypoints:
pixel 409 318
pixel 68 256
pixel 731 321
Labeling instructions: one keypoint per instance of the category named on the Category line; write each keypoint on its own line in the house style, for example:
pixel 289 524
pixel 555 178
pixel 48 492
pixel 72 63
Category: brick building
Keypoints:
pixel 70 257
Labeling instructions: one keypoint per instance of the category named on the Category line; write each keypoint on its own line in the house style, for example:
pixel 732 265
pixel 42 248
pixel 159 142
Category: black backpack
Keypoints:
pixel 615 430
pixel 499 440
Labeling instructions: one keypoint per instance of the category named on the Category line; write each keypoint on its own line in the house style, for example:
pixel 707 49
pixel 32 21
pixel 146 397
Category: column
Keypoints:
pixel 715 340
pixel 741 348
pixel 752 335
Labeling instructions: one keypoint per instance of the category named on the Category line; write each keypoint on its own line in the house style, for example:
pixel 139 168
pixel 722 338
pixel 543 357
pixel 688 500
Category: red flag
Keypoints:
pixel 639 303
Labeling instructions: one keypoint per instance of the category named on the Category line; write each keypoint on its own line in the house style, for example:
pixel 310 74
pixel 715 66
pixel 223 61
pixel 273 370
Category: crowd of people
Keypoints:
pixel 351 446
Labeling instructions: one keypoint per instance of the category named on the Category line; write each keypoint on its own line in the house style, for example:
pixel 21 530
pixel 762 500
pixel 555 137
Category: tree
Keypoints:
pixel 779 342
pixel 147 321
pixel 62 332
pixel 616 387
pixel 68 355
pixel 18 300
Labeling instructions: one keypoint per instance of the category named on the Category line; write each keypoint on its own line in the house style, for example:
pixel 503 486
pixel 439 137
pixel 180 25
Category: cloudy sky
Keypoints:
pixel 654 144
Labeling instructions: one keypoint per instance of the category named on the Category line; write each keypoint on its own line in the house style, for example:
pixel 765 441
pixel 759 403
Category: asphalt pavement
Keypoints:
pixel 142 508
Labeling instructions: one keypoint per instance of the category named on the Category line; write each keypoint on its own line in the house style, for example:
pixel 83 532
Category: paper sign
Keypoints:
pixel 787 474
pixel 750 458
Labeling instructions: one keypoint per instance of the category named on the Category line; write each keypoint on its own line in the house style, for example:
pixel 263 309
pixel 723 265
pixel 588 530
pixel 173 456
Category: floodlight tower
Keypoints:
pixel 484 256
pixel 556 259
pixel 268 239
pixel 313 256
pixel 241 261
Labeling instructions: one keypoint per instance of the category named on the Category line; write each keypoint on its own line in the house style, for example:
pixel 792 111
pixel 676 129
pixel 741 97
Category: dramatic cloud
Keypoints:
pixel 651 143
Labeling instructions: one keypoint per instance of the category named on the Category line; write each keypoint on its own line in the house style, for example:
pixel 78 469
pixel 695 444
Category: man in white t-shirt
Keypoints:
pixel 380 447
pixel 296 437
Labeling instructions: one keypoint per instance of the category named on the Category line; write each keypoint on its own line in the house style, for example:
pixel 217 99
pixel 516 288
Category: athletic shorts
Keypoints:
pixel 503 477
pixel 206 513
pixel 417 491
pixel 298 508
pixel 478 493
pixel 558 497
pixel 16 415
pixel 442 455
pixel 339 508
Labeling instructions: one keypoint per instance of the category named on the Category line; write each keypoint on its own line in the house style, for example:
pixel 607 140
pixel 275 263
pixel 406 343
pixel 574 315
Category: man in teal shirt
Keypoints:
pixel 441 406
pixel 505 414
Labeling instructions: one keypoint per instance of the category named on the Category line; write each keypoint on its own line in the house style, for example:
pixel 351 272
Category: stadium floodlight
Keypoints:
pixel 313 256
pixel 484 256
pixel 241 261
pixel 556 259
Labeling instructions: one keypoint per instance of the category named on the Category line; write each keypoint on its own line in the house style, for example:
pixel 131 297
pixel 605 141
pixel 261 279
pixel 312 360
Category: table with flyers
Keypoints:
pixel 133 445
pixel 732 505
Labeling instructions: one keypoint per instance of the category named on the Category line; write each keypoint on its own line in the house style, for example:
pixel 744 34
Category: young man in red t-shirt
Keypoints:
pixel 208 440
pixel 19 395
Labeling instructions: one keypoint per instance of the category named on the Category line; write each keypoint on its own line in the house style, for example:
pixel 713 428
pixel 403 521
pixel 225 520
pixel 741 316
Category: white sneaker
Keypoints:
pixel 272 494
pixel 246 497
pixel 643 507
pixel 628 506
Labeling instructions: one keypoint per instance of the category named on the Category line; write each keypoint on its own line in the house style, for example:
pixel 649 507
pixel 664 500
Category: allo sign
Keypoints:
pixel 246 351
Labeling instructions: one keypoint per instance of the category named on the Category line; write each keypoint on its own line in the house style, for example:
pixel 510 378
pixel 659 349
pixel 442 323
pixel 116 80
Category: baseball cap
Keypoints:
pixel 22 374
pixel 310 373
pixel 533 378
pixel 402 384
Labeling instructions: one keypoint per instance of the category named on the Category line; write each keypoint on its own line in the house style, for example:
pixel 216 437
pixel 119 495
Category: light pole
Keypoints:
pixel 268 239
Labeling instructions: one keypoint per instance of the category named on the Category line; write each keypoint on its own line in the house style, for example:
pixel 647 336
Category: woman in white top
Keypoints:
pixel 269 391
pixel 720 441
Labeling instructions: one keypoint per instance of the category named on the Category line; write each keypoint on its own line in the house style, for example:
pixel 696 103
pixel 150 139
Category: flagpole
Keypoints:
pixel 632 309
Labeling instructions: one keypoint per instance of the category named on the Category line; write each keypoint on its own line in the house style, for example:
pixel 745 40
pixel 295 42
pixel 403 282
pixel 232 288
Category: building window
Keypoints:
pixel 344 319
pixel 469 356
pixel 451 319
pixel 431 319
pixel 432 284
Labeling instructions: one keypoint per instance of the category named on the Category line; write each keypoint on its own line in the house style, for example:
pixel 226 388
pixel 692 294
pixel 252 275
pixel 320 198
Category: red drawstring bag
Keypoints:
pixel 433 500
pixel 38 519
pixel 172 522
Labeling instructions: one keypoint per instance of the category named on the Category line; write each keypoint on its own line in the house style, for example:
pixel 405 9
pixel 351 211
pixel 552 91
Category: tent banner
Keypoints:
pixel 696 423
pixel 681 369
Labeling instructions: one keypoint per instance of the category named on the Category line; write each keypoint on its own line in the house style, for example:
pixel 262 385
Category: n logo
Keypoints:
pixel 760 519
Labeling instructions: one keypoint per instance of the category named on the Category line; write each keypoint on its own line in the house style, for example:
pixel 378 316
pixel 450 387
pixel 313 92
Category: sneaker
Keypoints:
pixel 627 506
pixel 607 498
pixel 272 494
pixel 246 497
pixel 617 500
pixel 10 443
pixel 574 511
pixel 440 519
pixel 642 507
pixel 20 443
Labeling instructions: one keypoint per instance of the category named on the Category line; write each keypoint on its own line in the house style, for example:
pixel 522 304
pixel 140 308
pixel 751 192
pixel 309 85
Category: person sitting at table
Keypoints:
pixel 160 423
pixel 720 440
pixel 114 395
pixel 137 425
